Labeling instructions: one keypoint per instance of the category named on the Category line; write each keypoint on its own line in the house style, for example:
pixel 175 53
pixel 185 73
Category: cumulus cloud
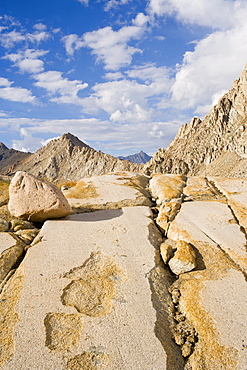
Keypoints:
pixel 15 94
pixel 10 39
pixel 40 27
pixel 216 60
pixel 211 68
pixel 127 100
pixel 56 84
pixel 5 82
pixel 217 14
pixel 27 60
pixel 72 43
pixel 108 46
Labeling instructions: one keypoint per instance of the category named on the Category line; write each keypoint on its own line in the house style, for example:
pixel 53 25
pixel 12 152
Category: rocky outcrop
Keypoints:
pixel 36 200
pixel 223 132
pixel 91 294
pixel 69 159
pixel 208 298
pixel 110 287
pixel 9 157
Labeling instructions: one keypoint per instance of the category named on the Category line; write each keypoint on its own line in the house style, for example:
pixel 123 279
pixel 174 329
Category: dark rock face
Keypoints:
pixel 141 157
pixel 198 144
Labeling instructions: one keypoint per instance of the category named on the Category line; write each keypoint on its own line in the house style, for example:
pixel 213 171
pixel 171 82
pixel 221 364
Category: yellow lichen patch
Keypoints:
pixel 8 315
pixel 82 190
pixel 137 182
pixel 4 193
pixel 4 212
pixel 93 286
pixel 167 187
pixel 198 189
pixel 88 361
pixel 185 252
pixel 62 330
pixel 208 353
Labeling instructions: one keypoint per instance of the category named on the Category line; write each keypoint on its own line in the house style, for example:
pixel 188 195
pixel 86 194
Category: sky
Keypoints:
pixel 122 75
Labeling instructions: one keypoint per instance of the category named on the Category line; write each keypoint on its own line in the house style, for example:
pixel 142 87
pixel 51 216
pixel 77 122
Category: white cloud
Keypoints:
pixel 104 135
pixel 27 60
pixel 40 27
pixel 16 94
pixel 211 68
pixel 115 3
pixel 72 43
pixel 8 40
pixel 84 2
pixel 5 82
pixel 110 47
pixel 37 37
pixel 113 76
pixel 55 83
pixel 127 100
pixel 217 14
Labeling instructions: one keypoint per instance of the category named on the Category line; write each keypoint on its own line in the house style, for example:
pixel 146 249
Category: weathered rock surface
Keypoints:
pixel 209 301
pixel 11 251
pixel 94 293
pixel 220 136
pixel 121 321
pixel 121 189
pixel 36 200
pixel 184 259
pixel 9 157
pixel 69 159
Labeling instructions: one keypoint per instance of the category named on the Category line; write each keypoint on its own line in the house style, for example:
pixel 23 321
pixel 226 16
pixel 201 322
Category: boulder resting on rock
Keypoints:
pixel 35 199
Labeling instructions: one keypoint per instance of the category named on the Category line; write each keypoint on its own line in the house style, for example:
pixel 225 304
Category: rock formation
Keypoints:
pixel 216 145
pixel 137 158
pixel 9 157
pixel 69 159
pixel 114 286
pixel 36 200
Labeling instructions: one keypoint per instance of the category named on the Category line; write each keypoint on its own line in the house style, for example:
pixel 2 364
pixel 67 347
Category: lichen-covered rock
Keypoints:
pixel 184 259
pixel 18 224
pixel 166 187
pixel 166 250
pixel 27 235
pixel 35 199
pixel 9 258
pixel 4 225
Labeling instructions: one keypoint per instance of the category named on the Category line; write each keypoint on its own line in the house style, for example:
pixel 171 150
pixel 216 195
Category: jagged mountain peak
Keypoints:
pixel 199 145
pixel 140 157
pixel 3 146
pixel 65 140
pixel 74 140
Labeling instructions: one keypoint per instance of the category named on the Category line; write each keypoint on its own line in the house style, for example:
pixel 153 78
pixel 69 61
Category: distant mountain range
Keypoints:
pixel 140 157
pixel 217 146
pixel 63 159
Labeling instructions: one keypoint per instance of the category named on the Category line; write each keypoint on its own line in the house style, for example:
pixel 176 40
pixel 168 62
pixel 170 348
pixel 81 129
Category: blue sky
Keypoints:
pixel 122 75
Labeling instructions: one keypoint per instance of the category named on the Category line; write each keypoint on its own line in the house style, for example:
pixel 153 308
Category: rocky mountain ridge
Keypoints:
pixel 9 157
pixel 68 158
pixel 219 140
pixel 140 157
